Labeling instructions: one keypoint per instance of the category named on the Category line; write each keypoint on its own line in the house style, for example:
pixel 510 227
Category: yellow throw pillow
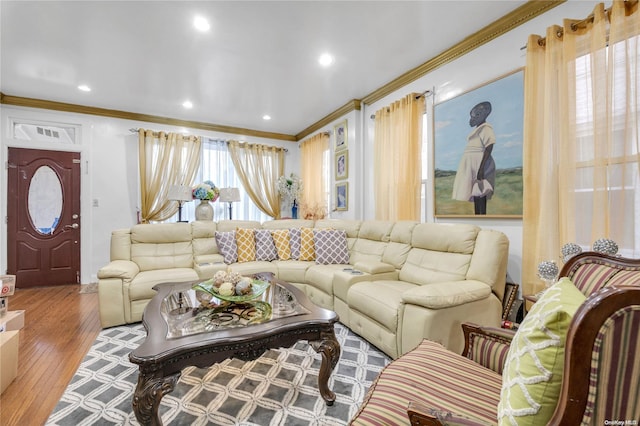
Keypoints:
pixel 246 242
pixel 281 240
pixel 307 249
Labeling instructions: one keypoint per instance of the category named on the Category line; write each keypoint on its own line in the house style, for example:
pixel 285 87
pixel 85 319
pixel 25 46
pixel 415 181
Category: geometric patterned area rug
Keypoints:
pixel 279 388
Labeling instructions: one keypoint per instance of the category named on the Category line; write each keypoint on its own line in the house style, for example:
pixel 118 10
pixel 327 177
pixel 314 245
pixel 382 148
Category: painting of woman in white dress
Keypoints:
pixel 478 150
pixel 476 176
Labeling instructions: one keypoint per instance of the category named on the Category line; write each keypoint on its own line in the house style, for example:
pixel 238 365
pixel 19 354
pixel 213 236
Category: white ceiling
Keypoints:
pixel 259 57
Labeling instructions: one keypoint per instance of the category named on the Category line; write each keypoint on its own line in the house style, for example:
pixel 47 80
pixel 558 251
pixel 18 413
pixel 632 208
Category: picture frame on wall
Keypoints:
pixel 340 136
pixel 487 119
pixel 342 196
pixel 342 165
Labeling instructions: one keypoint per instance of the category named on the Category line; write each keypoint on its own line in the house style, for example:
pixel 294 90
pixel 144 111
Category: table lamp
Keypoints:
pixel 181 194
pixel 229 195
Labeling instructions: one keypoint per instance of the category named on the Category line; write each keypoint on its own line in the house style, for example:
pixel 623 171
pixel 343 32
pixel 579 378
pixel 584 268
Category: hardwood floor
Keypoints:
pixel 60 326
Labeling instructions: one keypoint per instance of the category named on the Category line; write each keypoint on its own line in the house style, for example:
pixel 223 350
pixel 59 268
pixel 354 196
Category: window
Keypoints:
pixel 217 166
pixel 611 176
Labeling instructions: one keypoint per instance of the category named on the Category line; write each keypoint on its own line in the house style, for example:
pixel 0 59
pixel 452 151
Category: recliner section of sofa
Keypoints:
pixel 405 281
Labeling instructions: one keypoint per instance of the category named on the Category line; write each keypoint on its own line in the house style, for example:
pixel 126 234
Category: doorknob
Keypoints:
pixel 73 225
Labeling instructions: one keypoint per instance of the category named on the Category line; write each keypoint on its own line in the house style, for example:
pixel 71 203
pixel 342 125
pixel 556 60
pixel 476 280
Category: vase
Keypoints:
pixel 294 210
pixel 204 210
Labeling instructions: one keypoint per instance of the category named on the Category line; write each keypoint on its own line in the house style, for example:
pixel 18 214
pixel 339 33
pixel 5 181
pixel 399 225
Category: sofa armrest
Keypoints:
pixel 487 346
pixel 124 269
pixel 422 415
pixel 447 294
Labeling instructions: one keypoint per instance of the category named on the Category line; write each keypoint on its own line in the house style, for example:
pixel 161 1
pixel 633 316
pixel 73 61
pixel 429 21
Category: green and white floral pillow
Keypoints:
pixel 532 375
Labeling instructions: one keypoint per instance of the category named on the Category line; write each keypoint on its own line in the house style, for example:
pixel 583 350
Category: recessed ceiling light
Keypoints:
pixel 187 104
pixel 266 117
pixel 325 59
pixel 84 88
pixel 201 23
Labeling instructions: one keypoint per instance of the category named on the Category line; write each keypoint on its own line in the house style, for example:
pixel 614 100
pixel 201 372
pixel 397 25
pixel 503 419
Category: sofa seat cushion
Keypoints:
pixel 435 377
pixel 248 268
pixel 141 287
pixel 379 300
pixel 321 276
pixel 292 271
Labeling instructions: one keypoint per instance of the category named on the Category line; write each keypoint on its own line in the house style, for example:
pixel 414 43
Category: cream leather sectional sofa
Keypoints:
pixel 414 281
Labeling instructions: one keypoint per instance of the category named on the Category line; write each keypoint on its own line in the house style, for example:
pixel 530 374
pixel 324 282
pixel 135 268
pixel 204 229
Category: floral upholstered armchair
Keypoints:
pixel 574 360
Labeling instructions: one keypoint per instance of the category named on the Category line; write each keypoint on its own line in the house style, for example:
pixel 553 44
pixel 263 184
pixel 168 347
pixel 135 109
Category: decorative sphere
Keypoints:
pixel 234 277
pixel 219 277
pixel 548 270
pixel 243 288
pixel 569 250
pixel 605 246
pixel 227 289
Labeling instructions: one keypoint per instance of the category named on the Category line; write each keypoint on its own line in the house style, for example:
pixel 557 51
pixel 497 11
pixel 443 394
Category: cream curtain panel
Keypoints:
pixel 259 167
pixel 397 159
pixel 165 159
pixel 314 198
pixel 581 143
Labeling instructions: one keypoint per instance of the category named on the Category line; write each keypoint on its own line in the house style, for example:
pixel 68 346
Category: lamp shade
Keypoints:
pixel 229 195
pixel 180 193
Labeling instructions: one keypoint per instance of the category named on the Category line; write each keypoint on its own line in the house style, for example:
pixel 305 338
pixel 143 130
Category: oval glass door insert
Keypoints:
pixel 45 200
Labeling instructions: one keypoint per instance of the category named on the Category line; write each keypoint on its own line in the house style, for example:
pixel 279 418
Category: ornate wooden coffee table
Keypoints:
pixel 181 332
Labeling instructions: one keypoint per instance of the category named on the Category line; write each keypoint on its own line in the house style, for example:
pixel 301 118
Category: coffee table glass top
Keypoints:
pixel 187 311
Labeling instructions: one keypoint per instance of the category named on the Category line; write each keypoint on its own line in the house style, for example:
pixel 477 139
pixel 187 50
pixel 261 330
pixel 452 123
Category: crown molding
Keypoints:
pixel 352 105
pixel 81 109
pixel 508 22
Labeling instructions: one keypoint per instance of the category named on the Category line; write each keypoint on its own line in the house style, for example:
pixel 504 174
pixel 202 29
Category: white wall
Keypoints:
pixel 109 155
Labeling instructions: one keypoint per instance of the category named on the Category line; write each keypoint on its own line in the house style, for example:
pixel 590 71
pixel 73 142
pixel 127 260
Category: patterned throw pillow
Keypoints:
pixel 246 241
pixel 307 250
pixel 281 240
pixel 331 246
pixel 295 243
pixel 265 247
pixel 532 374
pixel 227 246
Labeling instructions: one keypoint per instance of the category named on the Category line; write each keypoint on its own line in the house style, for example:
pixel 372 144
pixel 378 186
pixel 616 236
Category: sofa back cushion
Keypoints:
pixel 427 266
pixel 396 252
pixel 162 246
pixel 373 238
pixel 205 249
pixel 287 223
pixel 439 253
pixel 448 238
pixel 232 225
pixel 120 244
pixel 489 260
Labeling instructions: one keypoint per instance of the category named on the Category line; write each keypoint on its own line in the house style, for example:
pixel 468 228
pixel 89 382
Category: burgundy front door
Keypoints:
pixel 43 217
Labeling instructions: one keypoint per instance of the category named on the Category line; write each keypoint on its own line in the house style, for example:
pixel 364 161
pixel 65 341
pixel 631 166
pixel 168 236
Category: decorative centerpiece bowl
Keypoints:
pixel 242 290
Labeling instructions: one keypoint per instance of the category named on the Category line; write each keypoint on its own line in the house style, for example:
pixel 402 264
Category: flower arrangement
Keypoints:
pixel 205 191
pixel 290 188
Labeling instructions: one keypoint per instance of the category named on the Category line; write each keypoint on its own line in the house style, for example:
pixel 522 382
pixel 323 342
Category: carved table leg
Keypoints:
pixel 329 348
pixel 148 394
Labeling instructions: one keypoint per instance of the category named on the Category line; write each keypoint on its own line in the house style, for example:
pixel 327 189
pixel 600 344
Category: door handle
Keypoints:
pixel 73 226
